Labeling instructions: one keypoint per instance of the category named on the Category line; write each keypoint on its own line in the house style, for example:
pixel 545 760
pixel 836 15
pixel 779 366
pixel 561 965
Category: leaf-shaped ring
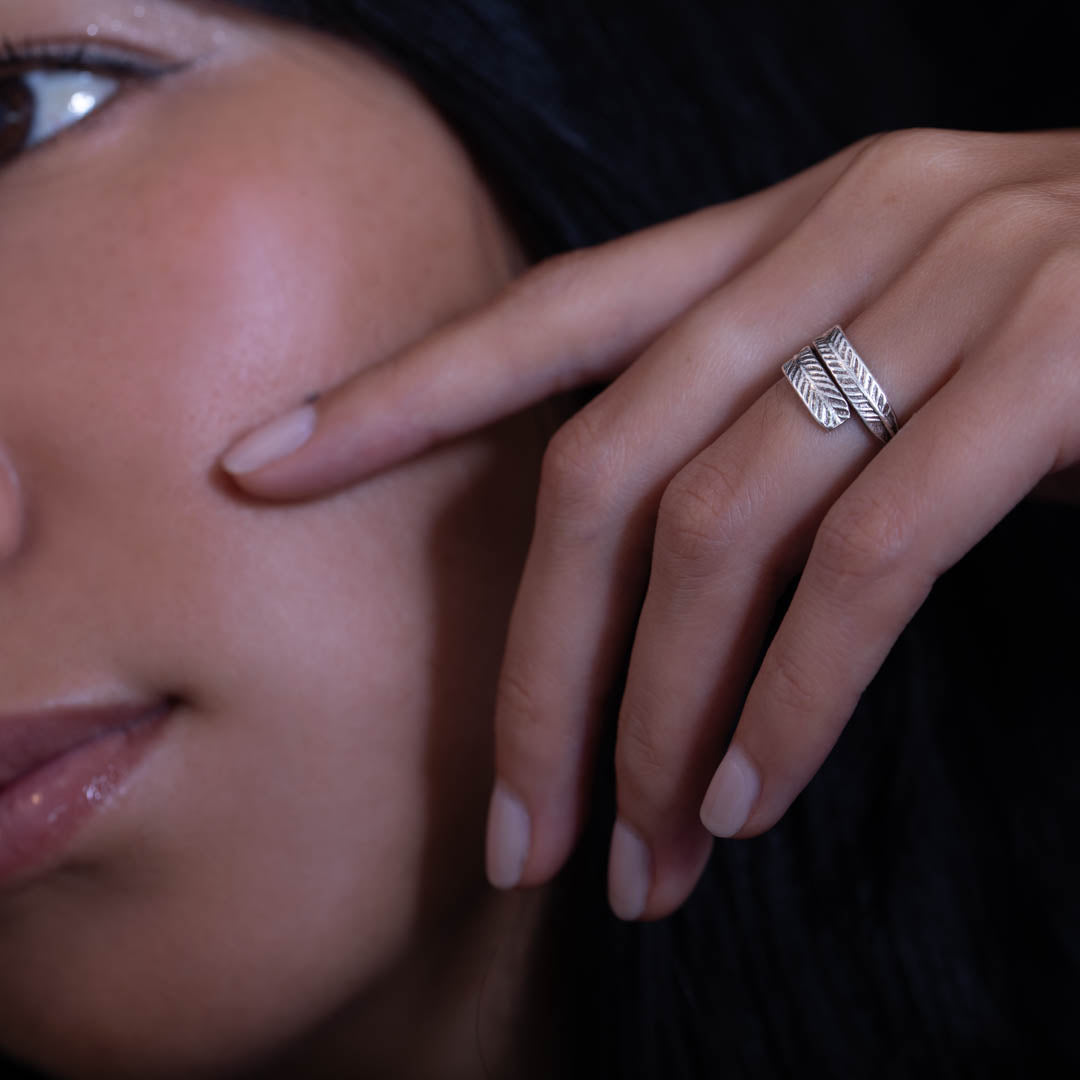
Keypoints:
pixel 853 377
pixel 815 387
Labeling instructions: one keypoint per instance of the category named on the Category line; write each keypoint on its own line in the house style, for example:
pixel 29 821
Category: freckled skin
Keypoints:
pixel 213 251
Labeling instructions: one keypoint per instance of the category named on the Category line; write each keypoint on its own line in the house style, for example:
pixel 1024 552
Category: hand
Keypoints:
pixel 676 506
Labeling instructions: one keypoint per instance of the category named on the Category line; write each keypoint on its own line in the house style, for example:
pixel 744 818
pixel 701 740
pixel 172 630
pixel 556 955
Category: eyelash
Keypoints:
pixel 23 57
pixel 69 56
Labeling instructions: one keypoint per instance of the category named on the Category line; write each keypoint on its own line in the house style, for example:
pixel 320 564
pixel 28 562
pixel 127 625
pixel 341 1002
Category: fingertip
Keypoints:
pixel 271 443
pixel 732 794
pixel 509 834
pixel 629 872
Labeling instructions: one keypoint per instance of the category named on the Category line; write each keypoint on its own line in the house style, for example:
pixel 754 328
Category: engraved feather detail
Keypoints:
pixel 858 384
pixel 819 393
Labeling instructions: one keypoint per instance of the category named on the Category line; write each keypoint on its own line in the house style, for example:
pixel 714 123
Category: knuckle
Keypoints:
pixel 1055 283
pixel 704 509
pixel 581 474
pixel 1003 215
pixel 886 164
pixel 525 742
pixel 642 768
pixel 516 700
pixel 864 536
pixel 557 294
pixel 1047 316
pixel 928 153
pixel 550 284
pixel 793 685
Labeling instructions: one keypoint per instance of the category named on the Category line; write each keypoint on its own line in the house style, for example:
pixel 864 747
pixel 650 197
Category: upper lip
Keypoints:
pixel 29 740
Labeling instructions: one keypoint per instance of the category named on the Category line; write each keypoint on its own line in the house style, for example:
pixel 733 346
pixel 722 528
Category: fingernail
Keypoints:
pixel 731 795
pixel 629 872
pixel 271 442
pixel 508 835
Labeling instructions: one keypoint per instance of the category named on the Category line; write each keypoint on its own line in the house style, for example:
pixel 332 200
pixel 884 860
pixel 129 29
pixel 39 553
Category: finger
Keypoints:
pixel 736 525
pixel 733 526
pixel 584 579
pixel 572 321
pixel 574 619
pixel 960 464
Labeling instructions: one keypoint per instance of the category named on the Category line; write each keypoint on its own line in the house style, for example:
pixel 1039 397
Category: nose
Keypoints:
pixel 12 524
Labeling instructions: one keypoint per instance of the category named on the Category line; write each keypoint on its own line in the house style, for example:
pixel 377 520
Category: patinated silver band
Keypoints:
pixel 815 387
pixel 853 377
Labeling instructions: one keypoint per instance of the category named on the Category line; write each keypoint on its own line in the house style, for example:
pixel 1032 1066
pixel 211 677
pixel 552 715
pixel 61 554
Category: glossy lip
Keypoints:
pixel 58 768
pixel 30 740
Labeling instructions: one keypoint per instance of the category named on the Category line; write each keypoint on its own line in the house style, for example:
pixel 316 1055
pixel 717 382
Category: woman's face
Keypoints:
pixel 191 258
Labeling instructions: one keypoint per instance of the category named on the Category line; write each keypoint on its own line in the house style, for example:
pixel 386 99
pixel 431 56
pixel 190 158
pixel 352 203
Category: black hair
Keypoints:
pixel 914 915
pixel 596 118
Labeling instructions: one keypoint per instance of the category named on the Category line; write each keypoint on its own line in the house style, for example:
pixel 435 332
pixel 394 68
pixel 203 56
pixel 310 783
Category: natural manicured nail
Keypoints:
pixel 271 442
pixel 731 795
pixel 629 872
pixel 508 835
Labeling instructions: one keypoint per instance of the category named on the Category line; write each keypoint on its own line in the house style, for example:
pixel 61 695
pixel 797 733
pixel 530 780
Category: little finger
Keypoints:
pixel 960 464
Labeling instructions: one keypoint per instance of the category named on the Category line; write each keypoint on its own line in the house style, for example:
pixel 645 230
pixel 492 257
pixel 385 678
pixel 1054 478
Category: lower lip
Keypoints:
pixel 41 812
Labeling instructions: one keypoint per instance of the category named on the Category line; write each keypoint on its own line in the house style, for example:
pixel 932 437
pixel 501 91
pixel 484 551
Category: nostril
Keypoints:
pixel 11 509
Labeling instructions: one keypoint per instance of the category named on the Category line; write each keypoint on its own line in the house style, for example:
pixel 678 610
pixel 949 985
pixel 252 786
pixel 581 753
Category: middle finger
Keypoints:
pixel 603 477
pixel 736 525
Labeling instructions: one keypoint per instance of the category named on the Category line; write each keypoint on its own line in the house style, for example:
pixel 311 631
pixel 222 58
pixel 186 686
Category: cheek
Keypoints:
pixel 191 291
pixel 322 797
pixel 190 287
pixel 338 657
pixel 218 282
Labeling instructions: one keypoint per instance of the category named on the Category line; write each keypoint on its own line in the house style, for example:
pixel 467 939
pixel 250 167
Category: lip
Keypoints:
pixel 58 768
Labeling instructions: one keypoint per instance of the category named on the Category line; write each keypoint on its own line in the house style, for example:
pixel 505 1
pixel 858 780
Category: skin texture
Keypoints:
pixel 297 864
pixel 676 507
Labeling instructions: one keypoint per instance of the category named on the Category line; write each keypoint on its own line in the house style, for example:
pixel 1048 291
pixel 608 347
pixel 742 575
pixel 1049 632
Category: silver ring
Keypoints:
pixel 815 387
pixel 853 377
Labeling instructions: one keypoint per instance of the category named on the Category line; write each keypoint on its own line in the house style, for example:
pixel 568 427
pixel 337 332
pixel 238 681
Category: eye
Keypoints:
pixel 37 105
pixel 46 88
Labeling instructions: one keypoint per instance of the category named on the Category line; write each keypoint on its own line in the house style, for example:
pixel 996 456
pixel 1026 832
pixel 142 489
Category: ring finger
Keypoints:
pixel 735 525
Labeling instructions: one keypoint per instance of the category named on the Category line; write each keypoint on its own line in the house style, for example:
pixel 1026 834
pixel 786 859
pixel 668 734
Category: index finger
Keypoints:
pixel 574 320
